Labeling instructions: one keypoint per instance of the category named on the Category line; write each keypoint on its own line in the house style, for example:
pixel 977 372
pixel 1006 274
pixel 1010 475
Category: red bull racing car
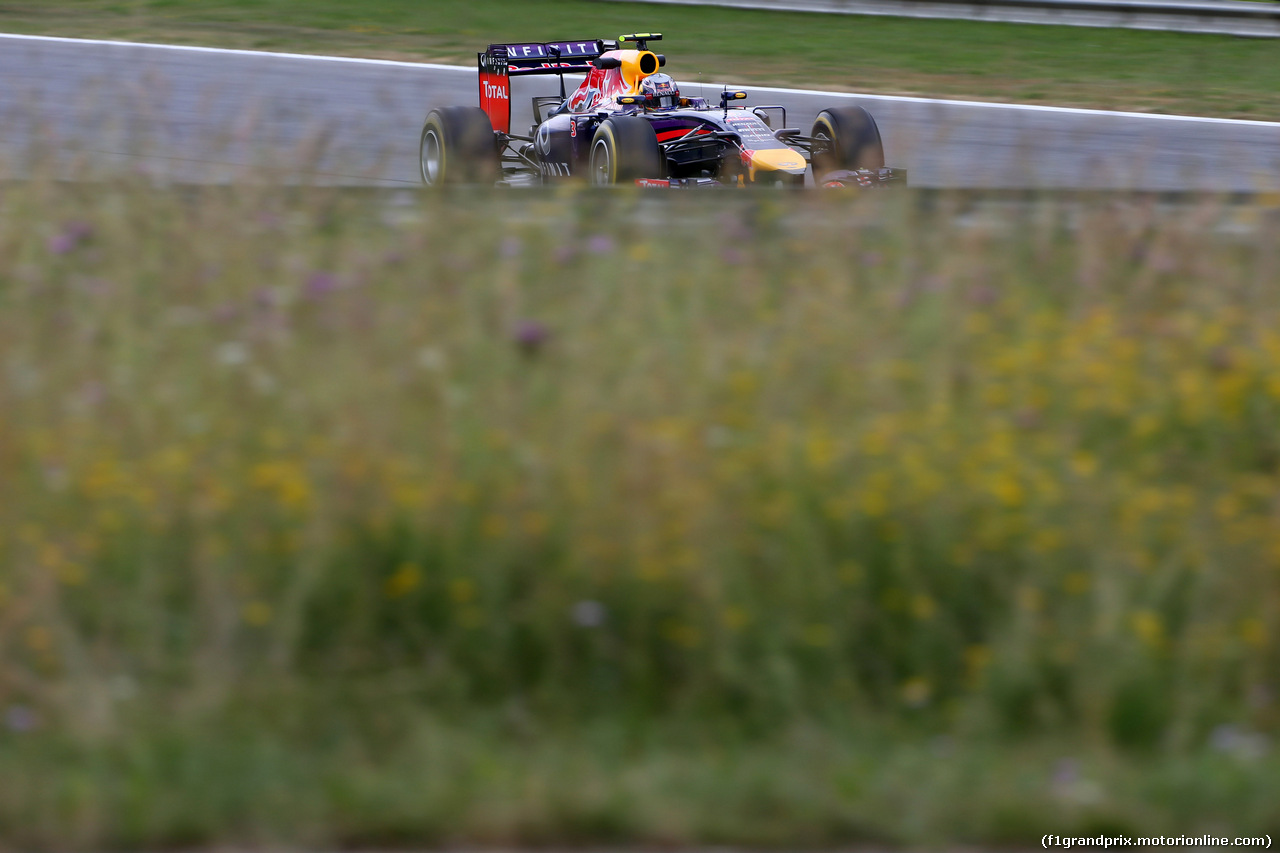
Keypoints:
pixel 629 123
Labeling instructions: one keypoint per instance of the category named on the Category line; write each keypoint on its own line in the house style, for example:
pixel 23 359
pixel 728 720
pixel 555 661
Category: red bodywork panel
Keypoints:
pixel 495 91
pixel 601 87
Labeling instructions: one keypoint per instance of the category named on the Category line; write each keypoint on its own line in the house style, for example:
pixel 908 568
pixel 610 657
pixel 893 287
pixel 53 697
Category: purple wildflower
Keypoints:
pixel 225 313
pixel 93 392
pixel 600 244
pixel 1028 418
pixel 78 230
pixel 20 718
pixel 732 255
pixel 1220 359
pixel 530 336
pixel 511 247
pixel 321 284
pixel 61 244
pixel 1239 742
pixel 72 235
pixel 983 295
pixel 566 254
pixel 734 229
pixel 1066 772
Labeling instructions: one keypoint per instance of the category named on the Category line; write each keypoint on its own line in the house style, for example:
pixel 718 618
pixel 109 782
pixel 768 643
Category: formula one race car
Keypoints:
pixel 629 123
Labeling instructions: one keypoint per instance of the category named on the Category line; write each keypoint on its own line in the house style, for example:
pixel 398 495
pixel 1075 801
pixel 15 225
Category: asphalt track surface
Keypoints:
pixel 87 108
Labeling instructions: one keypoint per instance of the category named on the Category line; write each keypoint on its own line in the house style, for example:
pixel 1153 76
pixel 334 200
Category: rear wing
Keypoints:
pixel 500 61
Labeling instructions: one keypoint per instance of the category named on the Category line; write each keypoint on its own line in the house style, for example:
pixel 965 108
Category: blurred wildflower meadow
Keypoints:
pixel 331 517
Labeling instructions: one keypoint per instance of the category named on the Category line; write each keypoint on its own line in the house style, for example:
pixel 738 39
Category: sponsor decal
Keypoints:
pixel 752 130
pixel 495 91
pixel 652 183
pixel 541 51
pixel 542 142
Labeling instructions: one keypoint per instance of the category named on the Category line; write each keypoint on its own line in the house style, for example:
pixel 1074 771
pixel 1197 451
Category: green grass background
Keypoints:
pixel 1106 68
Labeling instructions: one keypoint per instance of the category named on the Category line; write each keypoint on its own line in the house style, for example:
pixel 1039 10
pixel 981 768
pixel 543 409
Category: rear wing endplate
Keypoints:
pixel 501 61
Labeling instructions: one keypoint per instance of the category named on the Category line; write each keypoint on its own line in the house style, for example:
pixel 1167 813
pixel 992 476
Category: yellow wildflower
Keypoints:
pixel 1030 599
pixel 462 590
pixel 1147 627
pixel 923 607
pixel 405 580
pixel 916 692
pixel 38 638
pixel 820 450
pixel 256 613
pixel 535 523
pixel 735 618
pixel 818 635
pixel 1084 464
pixel 850 572
pixel 71 574
pixel 493 526
pixel 1046 539
pixel 1254 632
pixel 682 634
pixel 976 658
pixel 1076 583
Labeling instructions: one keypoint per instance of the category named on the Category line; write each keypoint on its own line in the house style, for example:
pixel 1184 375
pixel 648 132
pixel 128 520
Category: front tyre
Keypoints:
pixel 624 150
pixel 457 147
pixel 846 138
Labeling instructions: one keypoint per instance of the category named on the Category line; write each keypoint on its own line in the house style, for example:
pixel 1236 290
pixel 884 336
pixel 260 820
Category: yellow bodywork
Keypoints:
pixel 776 160
pixel 637 65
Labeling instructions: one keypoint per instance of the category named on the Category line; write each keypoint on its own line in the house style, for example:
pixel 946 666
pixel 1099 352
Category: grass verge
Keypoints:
pixel 1104 68
pixel 780 519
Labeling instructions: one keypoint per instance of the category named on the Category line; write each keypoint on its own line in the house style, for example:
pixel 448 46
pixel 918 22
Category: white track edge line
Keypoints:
pixel 779 90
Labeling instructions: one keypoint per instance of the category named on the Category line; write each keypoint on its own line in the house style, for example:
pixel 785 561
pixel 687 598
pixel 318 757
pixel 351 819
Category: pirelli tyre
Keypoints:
pixel 457 147
pixel 847 138
pixel 624 150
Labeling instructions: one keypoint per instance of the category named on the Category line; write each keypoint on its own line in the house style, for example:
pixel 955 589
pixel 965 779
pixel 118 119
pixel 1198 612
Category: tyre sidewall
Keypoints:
pixel 606 138
pixel 467 149
pixel 855 140
pixel 433 126
pixel 634 152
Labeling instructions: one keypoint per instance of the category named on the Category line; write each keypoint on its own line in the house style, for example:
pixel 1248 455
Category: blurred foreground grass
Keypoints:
pixel 598 517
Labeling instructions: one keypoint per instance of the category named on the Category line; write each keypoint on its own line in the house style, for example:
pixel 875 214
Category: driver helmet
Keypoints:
pixel 662 91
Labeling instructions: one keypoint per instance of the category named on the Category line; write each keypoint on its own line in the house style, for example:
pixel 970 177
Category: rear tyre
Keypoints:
pixel 624 149
pixel 458 147
pixel 847 139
